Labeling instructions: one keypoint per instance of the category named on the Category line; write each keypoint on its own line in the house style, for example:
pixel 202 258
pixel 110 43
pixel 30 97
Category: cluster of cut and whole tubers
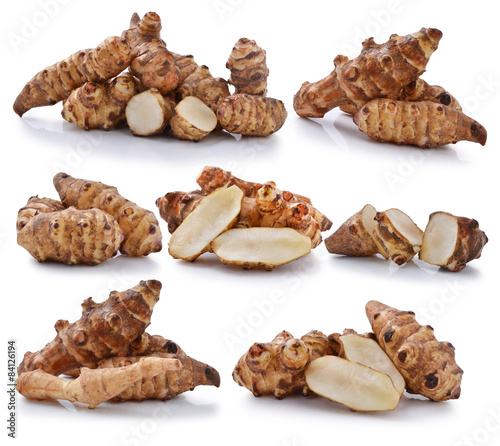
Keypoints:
pixel 243 223
pixel 90 224
pixel 111 356
pixel 161 90
pixel 448 241
pixel 364 372
pixel 382 88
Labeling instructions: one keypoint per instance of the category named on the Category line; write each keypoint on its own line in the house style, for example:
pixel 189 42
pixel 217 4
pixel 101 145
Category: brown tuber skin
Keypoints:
pixel 142 30
pixel 100 106
pixel 55 83
pixel 277 367
pixel 428 366
pixel 71 236
pixel 250 115
pixel 34 207
pixel 249 71
pixel 106 329
pixel 380 71
pixel 424 124
pixel 142 235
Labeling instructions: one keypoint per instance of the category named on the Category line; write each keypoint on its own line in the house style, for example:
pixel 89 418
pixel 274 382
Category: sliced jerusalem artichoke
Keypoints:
pixel 254 247
pixel 359 387
pixel 451 241
pixel 352 238
pixel 396 235
pixel 148 113
pixel 192 119
pixel 214 214
pixel 366 351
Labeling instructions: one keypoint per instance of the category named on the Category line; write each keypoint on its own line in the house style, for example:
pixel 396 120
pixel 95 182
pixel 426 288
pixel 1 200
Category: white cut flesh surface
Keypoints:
pixel 261 246
pixel 406 227
pixel 197 113
pixel 440 239
pixel 145 115
pixel 213 215
pixel 367 352
pixel 368 214
pixel 354 385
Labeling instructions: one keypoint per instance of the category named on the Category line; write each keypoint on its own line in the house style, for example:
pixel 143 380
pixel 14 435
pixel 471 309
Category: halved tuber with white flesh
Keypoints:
pixel 359 387
pixel 148 113
pixel 216 213
pixel 192 119
pixel 451 241
pixel 396 235
pixel 352 238
pixel 366 351
pixel 254 247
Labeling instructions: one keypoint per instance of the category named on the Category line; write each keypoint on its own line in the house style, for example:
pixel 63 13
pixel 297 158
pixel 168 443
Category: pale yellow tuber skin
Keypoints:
pixel 428 366
pixel 142 235
pixel 100 106
pixel 424 124
pixel 155 67
pixel 71 236
pixel 277 367
pixel 55 83
pixel 96 386
pixel 251 115
pixel 249 71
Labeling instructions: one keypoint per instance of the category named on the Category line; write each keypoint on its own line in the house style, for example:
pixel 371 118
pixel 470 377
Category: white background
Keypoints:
pixel 215 312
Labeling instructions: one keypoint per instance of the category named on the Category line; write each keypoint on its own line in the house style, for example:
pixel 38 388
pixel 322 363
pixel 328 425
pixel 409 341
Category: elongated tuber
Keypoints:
pixel 277 367
pixel 100 106
pixel 425 124
pixel 106 329
pixel 451 241
pixel 357 386
pixel 175 206
pixel 192 119
pixel 94 387
pixel 353 238
pixel 148 113
pixel 420 90
pixel 249 71
pixel 215 214
pixel 250 115
pixel 71 236
pixel 167 384
pixel 142 234
pixel 55 83
pixel 428 366
pixel 380 71
pixel 155 67
pixel 34 207
pixel 254 247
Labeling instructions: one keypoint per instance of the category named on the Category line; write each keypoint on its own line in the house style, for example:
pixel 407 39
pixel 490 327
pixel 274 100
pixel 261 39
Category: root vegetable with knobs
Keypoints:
pixel 100 106
pixel 71 236
pixel 425 124
pixel 277 367
pixel 106 329
pixel 428 366
pixel 148 113
pixel 192 119
pixel 55 83
pixel 380 71
pixel 451 241
pixel 34 207
pixel 167 384
pixel 250 115
pixel 249 71
pixel 141 231
pixel 93 387
pixel 142 30
pixel 254 247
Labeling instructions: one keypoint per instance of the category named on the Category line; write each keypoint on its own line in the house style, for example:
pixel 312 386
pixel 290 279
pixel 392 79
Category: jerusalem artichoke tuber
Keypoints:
pixel 55 83
pixel 451 242
pixel 100 106
pixel 428 366
pixel 141 231
pixel 34 207
pixel 425 124
pixel 142 30
pixel 192 119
